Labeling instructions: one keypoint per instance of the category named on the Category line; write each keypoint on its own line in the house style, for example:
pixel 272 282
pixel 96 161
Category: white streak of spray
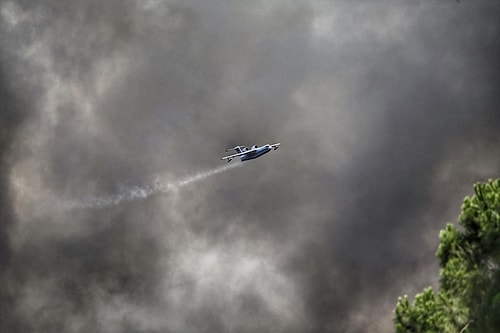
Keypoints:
pixel 159 185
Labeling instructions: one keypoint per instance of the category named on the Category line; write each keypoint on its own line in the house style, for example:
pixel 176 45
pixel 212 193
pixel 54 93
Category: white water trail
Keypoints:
pixel 159 185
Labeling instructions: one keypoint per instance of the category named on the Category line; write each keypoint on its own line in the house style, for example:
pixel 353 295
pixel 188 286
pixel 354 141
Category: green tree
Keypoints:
pixel 468 300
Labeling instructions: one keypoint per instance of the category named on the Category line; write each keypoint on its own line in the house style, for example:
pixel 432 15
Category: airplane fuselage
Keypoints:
pixel 256 153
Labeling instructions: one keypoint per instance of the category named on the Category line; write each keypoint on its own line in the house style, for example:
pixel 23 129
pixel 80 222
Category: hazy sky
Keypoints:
pixel 387 113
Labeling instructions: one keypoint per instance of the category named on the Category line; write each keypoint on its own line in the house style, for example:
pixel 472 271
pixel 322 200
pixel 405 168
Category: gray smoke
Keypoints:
pixel 387 113
pixel 159 184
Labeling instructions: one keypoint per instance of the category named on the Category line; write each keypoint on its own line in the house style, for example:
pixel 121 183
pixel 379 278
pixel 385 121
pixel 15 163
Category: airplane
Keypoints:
pixel 245 153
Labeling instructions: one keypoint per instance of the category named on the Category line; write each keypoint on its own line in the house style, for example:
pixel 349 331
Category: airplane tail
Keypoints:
pixel 238 149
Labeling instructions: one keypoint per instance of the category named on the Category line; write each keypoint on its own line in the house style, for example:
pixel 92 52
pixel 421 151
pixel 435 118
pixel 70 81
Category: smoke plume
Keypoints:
pixel 157 185
pixel 114 118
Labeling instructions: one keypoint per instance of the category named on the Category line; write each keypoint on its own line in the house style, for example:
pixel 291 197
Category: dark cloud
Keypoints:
pixel 12 116
pixel 386 114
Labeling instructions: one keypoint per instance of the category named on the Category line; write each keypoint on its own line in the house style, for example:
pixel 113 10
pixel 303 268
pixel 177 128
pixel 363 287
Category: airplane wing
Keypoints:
pixel 275 145
pixel 230 157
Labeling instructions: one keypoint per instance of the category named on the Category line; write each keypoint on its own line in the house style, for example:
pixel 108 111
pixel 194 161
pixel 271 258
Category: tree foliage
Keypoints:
pixel 468 300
